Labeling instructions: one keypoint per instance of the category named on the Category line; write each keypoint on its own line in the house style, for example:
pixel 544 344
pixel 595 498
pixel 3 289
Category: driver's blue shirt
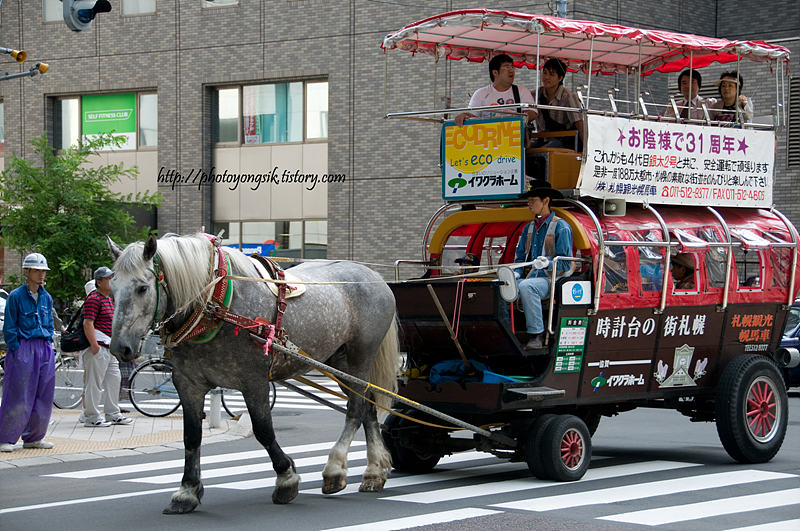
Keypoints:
pixel 563 245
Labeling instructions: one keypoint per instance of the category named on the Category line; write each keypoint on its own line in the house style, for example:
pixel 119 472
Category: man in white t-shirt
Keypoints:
pixel 500 92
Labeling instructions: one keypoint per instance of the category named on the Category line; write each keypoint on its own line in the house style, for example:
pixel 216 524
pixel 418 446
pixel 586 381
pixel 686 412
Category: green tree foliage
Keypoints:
pixel 59 205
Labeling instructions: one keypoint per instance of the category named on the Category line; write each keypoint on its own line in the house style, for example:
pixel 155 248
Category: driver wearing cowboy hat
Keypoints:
pixel 544 238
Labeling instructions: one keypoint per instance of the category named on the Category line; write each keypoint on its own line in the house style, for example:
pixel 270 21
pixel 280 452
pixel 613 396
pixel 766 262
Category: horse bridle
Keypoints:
pixel 155 326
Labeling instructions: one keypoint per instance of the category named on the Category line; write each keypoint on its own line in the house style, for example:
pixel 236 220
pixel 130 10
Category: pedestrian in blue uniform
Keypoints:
pixel 30 378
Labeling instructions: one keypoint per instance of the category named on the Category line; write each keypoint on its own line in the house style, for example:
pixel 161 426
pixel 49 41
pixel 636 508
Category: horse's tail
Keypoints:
pixel 386 366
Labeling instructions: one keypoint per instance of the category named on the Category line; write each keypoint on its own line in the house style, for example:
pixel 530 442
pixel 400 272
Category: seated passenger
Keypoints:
pixel 690 107
pixel 683 271
pixel 730 88
pixel 501 91
pixel 468 259
pixel 553 92
pixel 544 238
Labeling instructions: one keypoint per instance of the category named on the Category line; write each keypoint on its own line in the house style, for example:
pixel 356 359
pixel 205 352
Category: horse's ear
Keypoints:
pixel 116 250
pixel 150 248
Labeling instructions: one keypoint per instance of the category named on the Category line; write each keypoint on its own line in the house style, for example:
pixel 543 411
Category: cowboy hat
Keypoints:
pixel 542 189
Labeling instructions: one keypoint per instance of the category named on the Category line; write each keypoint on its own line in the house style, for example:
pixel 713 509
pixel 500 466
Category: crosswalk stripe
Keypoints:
pixel 442 475
pixel 643 490
pixel 206 460
pixel 263 467
pixel 84 500
pixel 515 485
pixel 786 525
pixel 416 521
pixel 707 509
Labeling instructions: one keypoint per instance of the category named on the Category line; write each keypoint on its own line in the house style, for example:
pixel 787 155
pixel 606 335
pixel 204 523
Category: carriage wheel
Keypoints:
pixel 406 459
pixel 591 418
pixel 751 409
pixel 533 445
pixel 566 448
pixel 152 391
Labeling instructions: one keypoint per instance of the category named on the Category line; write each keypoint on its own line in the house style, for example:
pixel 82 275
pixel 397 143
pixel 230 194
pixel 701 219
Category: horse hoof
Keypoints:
pixel 333 484
pixel 180 507
pixel 283 495
pixel 372 485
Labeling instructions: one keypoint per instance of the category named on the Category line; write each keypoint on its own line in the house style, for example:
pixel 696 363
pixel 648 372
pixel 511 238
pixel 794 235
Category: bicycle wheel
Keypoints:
pixel 234 405
pixel 69 384
pixel 152 391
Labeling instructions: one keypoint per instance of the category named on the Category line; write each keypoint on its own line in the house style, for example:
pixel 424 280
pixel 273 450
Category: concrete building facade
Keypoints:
pixel 189 52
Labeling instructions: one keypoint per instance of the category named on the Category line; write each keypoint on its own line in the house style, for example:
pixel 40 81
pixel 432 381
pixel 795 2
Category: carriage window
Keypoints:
pixel 651 261
pixel 748 267
pixel 716 258
pixel 456 247
pixel 780 259
pixel 615 266
pixel 493 249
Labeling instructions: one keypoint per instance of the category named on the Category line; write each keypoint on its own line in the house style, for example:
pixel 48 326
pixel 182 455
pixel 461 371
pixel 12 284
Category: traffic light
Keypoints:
pixel 79 14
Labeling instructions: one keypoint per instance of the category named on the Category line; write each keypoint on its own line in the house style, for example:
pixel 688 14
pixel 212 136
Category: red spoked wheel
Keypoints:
pixel 566 448
pixel 751 409
pixel 763 410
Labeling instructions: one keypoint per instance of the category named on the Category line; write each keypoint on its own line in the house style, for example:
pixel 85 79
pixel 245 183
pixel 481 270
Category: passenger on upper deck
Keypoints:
pixel 501 91
pixel 553 92
pixel 730 88
pixel 546 237
pixel 683 271
pixel 693 110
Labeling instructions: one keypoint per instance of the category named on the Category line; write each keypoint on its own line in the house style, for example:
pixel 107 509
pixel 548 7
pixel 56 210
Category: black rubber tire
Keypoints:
pixel 152 392
pixel 752 387
pixel 69 384
pixel 566 448
pixel 533 445
pixel 405 459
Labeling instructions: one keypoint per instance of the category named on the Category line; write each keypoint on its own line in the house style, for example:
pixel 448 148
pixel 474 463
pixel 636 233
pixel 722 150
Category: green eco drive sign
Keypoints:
pixel 110 112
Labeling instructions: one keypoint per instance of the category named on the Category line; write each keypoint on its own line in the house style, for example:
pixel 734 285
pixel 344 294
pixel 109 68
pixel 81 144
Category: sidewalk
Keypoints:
pixel 145 435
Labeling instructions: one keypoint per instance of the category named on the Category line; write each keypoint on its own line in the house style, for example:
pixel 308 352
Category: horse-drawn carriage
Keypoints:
pixel 621 333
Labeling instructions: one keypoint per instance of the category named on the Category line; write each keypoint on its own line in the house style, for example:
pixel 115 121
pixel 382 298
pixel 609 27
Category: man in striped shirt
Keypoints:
pixel 101 369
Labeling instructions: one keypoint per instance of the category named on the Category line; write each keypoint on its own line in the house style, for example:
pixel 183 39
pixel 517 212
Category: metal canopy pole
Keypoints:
pixel 729 261
pixel 497 437
pixel 667 257
pixel 589 74
pixel 639 79
pixel 794 256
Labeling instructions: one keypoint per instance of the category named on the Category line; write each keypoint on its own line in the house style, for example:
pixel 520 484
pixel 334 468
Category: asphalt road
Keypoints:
pixel 651 469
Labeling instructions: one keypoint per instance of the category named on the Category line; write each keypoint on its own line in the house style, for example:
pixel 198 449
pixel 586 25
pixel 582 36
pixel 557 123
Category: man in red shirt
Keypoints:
pixel 101 369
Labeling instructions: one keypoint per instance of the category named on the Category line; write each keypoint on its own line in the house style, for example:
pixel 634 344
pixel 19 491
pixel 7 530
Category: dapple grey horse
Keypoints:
pixel 348 321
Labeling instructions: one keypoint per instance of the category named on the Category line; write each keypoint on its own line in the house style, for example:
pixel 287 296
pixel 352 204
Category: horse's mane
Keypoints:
pixel 185 261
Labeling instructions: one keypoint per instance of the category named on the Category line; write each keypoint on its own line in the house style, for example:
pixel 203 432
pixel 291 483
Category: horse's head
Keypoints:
pixel 138 298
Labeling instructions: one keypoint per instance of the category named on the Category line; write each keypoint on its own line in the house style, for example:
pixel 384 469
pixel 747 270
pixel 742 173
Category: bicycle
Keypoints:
pixel 153 393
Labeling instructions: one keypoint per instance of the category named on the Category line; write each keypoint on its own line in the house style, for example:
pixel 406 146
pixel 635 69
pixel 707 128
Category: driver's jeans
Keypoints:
pixel 532 291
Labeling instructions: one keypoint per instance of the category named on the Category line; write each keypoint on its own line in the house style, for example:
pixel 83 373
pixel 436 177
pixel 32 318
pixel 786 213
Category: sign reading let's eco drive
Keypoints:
pixel 110 113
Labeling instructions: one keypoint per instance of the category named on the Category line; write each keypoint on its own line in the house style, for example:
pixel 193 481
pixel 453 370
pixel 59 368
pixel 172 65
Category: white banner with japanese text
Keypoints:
pixel 677 164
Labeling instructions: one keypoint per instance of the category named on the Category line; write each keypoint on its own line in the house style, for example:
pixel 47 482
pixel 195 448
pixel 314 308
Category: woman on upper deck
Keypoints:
pixel 552 92
pixel 730 88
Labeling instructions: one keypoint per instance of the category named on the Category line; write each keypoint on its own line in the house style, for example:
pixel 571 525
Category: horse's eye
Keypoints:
pixel 141 289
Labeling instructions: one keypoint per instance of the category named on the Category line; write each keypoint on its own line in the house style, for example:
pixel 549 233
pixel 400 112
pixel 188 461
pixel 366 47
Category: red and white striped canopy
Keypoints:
pixel 479 34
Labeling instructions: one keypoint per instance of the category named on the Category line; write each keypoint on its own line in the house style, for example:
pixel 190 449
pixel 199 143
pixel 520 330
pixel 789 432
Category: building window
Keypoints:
pixel 148 120
pixel 89 116
pixel 219 3
pixel 226 123
pixel 289 239
pixel 52 10
pixel 271 113
pixel 317 114
pixel 138 7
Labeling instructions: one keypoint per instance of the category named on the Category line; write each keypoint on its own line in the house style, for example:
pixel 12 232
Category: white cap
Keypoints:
pixel 89 287
pixel 35 261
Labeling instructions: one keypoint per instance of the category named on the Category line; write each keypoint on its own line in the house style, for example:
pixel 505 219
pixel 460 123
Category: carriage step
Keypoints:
pixel 537 394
